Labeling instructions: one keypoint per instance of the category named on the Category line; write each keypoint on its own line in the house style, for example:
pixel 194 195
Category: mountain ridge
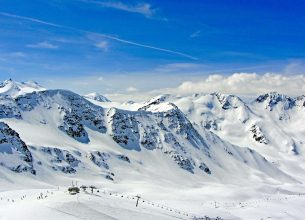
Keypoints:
pixel 188 134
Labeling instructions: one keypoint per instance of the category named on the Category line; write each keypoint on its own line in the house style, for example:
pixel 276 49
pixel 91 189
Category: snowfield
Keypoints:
pixel 217 202
pixel 204 156
pixel 58 204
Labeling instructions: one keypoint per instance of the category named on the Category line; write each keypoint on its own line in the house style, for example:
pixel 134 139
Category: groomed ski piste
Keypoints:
pixel 57 203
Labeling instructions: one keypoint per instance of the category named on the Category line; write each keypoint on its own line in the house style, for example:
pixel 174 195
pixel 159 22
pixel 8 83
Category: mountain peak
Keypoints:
pixel 300 101
pixel 158 99
pixel 6 83
pixel 158 104
pixel 97 97
pixel 273 98
pixel 14 89
pixel 228 101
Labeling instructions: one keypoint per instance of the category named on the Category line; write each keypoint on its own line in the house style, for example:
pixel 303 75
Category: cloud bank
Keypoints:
pixel 141 87
pixel 244 84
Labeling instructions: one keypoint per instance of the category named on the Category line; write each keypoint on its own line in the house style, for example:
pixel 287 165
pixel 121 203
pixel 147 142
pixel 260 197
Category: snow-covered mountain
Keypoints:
pixel 220 113
pixel 271 124
pixel 156 129
pixel 14 89
pixel 55 136
pixel 96 97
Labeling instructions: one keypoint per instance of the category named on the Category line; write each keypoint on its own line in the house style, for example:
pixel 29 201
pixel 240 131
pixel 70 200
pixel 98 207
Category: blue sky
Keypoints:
pixel 130 42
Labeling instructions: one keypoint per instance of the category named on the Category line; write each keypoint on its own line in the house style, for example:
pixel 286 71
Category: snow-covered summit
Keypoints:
pixel 300 101
pixel 228 101
pixel 14 89
pixel 158 99
pixel 269 120
pixel 273 98
pixel 97 97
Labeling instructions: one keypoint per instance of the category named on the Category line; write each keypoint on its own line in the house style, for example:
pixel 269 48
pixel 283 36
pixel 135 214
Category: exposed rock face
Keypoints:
pixel 124 129
pixel 76 111
pixel 228 101
pixel 182 161
pixel 258 135
pixel 204 167
pixel 300 101
pixel 166 131
pixel 123 158
pixel 8 108
pixel 273 98
pixel 61 160
pixel 14 153
pixel 100 159
pixel 154 102
pixel 177 122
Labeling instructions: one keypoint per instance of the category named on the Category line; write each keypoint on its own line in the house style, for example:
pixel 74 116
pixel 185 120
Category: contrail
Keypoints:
pixel 103 35
pixel 148 46
pixel 30 19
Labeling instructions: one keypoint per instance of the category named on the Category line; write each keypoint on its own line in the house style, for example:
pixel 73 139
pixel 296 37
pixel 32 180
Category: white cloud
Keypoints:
pixel 195 34
pixel 13 55
pixel 132 89
pixel 103 45
pixel 248 85
pixel 244 84
pixel 17 54
pixel 100 78
pixel 139 8
pixel 145 85
pixel 43 45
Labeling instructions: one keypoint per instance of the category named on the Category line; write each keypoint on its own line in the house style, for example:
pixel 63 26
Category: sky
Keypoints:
pixel 124 47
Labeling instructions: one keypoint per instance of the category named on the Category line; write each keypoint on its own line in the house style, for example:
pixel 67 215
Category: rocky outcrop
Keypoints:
pixel 183 162
pixel 8 108
pixel 205 168
pixel 14 153
pixel 61 160
pixel 99 159
pixel 273 98
pixel 258 135
pixel 77 113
